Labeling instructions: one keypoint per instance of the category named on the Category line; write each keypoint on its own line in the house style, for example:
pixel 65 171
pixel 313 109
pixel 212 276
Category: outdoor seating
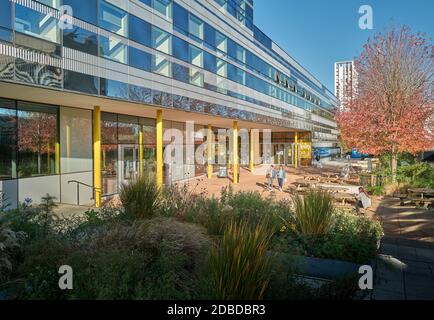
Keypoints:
pixel 421 197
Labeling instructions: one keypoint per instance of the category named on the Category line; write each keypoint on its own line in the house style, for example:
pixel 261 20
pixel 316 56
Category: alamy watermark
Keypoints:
pixel 366 21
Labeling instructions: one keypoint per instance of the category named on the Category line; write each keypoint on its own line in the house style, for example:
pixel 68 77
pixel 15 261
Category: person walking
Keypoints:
pixel 281 176
pixel 270 175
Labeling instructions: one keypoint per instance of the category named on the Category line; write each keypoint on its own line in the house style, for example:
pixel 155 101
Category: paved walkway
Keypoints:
pixel 405 267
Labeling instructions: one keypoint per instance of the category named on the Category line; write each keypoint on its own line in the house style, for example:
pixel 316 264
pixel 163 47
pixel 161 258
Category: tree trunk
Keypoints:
pixel 394 166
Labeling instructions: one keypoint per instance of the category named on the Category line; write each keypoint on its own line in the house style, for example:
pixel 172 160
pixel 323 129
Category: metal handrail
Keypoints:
pixel 86 185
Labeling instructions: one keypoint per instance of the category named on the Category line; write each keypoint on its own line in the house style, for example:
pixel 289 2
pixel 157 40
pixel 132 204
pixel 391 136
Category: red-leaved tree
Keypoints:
pixel 393 106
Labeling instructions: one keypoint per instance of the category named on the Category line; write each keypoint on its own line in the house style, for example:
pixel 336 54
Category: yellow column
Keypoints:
pixel 235 151
pixel 252 151
pixel 209 151
pixel 141 153
pixel 57 158
pixel 159 151
pixel 97 155
pixel 296 150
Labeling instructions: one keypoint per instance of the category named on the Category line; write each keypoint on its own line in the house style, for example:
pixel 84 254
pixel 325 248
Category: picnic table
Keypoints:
pixel 344 198
pixel 305 183
pixel 421 197
pixel 334 189
pixel 312 178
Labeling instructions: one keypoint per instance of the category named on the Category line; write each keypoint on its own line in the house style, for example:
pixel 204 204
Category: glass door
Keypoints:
pixel 128 163
pixel 279 154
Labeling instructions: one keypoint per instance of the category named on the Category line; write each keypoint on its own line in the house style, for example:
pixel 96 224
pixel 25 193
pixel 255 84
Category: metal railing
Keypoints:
pixel 79 183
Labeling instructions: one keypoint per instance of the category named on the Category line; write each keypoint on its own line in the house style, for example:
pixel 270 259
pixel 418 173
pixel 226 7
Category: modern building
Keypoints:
pixel 345 81
pixel 88 88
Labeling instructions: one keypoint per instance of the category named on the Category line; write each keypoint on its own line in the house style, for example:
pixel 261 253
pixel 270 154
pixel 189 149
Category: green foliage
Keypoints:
pixel 314 213
pixel 419 175
pixel 240 266
pixel 141 198
pixel 34 220
pixel 375 190
pixel 352 238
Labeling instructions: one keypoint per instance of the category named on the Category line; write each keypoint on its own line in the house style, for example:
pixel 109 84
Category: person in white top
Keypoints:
pixel 363 200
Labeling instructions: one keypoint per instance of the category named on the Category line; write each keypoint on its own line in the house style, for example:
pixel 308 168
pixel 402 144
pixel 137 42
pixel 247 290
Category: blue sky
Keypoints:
pixel 317 33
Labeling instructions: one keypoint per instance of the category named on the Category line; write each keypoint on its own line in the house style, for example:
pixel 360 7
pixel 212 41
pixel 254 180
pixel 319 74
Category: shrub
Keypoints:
pixel 375 190
pixel 420 175
pixel 352 238
pixel 314 213
pixel 10 243
pixel 140 198
pixel 251 207
pixel 240 267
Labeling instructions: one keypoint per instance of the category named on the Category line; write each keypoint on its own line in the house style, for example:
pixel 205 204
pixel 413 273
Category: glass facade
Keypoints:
pixel 121 146
pixel 37 138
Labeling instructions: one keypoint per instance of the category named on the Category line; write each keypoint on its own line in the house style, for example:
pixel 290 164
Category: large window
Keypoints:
pixel 5 20
pixel 81 40
pixel 180 49
pixel 140 31
pixel 113 19
pixel 36 24
pixel 37 138
pixel 139 59
pixel 161 40
pixel 114 49
pixel 196 27
pixel 164 7
pixel 180 19
pixel 8 134
pixel 84 10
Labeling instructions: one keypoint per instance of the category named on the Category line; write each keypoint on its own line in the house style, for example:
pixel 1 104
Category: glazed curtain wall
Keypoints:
pixel 120 149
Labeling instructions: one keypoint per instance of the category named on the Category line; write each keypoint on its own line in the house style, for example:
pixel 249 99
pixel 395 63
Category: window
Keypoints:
pixel 81 40
pixel 164 7
pixel 161 40
pixel 113 48
pixel 109 128
pixel 84 10
pixel 81 82
pixel 236 74
pixel 37 138
pixel 196 27
pixel 8 141
pixel 36 24
pixel 139 59
pixel 128 129
pixel 210 36
pixel 196 56
pixel 236 52
pixel 210 62
pixel 196 77
pixel 75 140
pixel 115 89
pixel 113 19
pixel 180 49
pixel 221 42
pixel 5 14
pixel 140 31
pixel 222 68
pixel 162 65
pixel 180 19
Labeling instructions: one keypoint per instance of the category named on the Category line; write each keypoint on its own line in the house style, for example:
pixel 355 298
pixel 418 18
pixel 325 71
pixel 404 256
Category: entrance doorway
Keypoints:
pixel 279 154
pixel 128 163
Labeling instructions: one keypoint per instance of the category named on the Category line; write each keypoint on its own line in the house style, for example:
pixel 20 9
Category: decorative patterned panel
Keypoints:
pixel 35 73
